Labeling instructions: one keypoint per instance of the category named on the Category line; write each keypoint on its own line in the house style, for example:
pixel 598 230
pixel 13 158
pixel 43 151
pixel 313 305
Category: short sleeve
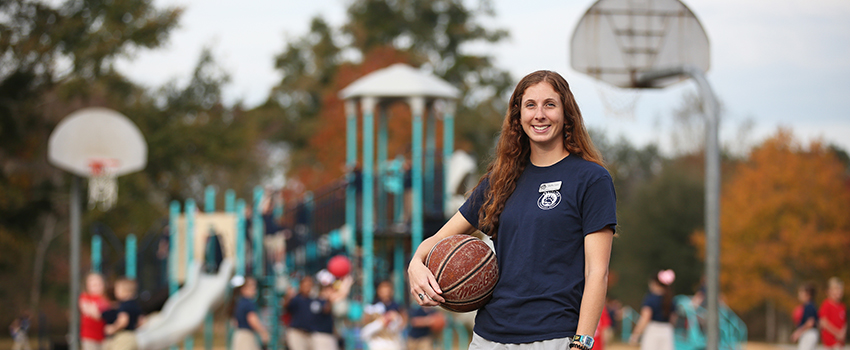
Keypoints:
pixel 647 301
pixel 250 306
pixel 472 206
pixel 599 206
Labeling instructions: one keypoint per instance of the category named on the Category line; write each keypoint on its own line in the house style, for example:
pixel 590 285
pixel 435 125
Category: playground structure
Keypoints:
pixel 195 239
pixel 326 223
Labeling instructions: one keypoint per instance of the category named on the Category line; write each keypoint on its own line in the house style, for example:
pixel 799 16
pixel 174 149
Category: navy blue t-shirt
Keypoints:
pixel 302 316
pixel 655 302
pixel 244 306
pixel 323 322
pixel 540 249
pixel 133 310
pixel 809 311
pixel 419 332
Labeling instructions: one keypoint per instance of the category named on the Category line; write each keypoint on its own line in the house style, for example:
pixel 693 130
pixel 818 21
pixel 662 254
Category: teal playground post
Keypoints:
pixel 130 257
pixel 257 233
pixel 350 163
pixel 96 253
pixel 240 237
pixel 209 207
pixel 240 248
pixel 174 212
pixel 368 105
pixel 417 107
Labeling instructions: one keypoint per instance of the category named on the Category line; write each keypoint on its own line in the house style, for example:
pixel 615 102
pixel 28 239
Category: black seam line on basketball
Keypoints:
pixel 469 275
pixel 449 256
pixel 472 272
pixel 467 302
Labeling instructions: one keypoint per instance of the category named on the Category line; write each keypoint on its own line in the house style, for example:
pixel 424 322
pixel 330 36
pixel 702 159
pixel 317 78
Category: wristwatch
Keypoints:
pixel 583 342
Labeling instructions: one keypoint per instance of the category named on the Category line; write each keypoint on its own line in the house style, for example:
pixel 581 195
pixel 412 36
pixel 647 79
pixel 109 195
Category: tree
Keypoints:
pixel 783 222
pixel 304 111
pixel 655 221
pixel 193 139
pixel 35 94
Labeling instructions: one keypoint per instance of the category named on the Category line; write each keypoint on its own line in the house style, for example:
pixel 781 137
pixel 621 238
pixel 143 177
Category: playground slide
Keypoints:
pixel 186 310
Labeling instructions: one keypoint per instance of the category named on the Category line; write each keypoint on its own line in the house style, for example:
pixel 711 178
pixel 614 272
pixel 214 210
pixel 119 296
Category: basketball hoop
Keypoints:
pixel 103 186
pixel 618 102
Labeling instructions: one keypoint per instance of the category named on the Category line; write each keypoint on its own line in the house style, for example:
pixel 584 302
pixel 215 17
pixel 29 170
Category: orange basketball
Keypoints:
pixel 465 268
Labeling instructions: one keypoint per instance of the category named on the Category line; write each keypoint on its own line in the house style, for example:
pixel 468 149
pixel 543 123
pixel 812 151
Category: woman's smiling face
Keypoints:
pixel 542 115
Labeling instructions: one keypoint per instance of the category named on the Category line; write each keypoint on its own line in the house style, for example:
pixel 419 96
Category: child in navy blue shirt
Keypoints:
pixel 128 317
pixel 806 334
pixel 298 305
pixel 248 323
pixel 655 325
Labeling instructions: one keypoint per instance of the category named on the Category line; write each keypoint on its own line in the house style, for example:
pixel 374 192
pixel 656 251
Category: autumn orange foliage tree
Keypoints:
pixel 784 221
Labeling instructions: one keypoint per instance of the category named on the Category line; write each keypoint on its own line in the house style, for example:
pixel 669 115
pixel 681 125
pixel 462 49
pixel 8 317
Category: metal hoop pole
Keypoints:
pixel 712 190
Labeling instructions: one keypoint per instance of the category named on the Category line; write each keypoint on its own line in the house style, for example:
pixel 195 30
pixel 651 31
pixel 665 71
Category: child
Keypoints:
pixel 424 323
pixel 833 316
pixel 18 330
pixel 383 328
pixel 656 314
pixel 247 321
pixel 129 317
pixel 806 333
pixel 92 304
pixel 323 337
pixel 298 305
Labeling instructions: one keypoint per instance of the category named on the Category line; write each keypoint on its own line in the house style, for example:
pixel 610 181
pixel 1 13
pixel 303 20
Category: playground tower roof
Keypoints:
pixel 399 80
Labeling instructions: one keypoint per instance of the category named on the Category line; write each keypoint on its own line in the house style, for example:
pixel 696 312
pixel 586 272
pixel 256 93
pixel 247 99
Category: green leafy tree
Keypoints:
pixel 655 222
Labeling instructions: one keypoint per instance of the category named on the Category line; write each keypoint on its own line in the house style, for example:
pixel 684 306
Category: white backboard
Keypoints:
pixel 616 40
pixel 98 137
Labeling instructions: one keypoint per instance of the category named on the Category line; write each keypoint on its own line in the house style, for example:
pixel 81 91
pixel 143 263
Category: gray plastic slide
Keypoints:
pixel 185 311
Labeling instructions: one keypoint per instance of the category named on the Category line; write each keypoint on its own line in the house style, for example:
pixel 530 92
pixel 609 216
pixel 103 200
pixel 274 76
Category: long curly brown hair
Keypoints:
pixel 514 147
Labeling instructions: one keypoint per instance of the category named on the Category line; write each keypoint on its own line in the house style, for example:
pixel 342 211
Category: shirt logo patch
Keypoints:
pixel 549 200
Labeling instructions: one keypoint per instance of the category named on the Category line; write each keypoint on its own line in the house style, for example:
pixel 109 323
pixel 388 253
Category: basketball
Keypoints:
pixel 465 268
pixel 339 266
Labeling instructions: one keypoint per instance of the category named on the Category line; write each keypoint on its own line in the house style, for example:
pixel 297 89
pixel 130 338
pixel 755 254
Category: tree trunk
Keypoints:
pixel 47 236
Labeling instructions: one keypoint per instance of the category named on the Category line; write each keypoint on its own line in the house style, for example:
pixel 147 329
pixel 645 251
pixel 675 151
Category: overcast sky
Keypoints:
pixel 774 63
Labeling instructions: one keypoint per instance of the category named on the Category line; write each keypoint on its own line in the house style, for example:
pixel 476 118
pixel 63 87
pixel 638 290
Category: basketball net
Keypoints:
pixel 103 187
pixel 618 102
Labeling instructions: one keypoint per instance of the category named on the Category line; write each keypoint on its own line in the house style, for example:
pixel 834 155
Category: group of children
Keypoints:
pixel 829 323
pixel 105 324
pixel 310 318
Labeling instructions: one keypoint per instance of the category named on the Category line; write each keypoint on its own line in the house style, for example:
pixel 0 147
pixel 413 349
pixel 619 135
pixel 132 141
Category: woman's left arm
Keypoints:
pixel 597 253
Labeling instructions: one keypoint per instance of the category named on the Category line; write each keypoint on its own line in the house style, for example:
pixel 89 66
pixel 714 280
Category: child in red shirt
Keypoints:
pixel 92 304
pixel 833 316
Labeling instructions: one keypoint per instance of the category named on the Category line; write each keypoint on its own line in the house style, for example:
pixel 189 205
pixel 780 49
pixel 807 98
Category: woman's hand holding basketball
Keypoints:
pixel 423 285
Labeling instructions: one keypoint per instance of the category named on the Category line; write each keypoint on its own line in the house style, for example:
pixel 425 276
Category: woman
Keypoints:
pixel 549 205
pixel 247 320
pixel 656 314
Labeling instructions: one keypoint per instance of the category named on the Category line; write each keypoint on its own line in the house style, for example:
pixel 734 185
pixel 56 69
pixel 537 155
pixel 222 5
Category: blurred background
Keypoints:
pixel 244 94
